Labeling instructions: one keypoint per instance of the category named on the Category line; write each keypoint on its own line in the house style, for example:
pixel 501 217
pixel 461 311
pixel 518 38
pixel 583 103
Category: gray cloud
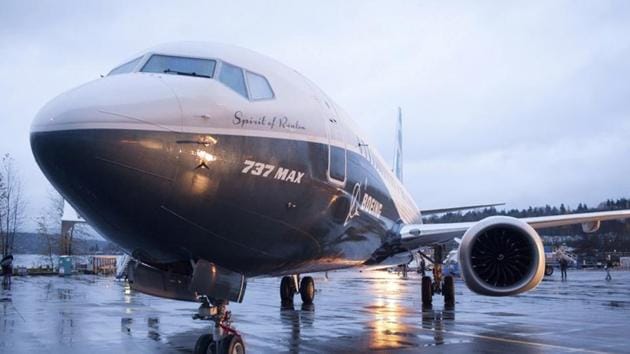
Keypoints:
pixel 524 103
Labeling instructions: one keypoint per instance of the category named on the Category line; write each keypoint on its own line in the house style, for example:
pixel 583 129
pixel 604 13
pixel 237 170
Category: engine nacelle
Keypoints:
pixel 501 256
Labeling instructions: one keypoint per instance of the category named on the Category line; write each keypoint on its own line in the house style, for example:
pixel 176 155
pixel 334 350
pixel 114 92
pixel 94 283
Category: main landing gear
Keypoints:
pixel 289 287
pixel 437 285
pixel 224 339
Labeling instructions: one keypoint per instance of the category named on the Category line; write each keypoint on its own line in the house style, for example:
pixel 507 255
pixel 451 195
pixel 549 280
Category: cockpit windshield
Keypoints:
pixel 173 65
pixel 126 67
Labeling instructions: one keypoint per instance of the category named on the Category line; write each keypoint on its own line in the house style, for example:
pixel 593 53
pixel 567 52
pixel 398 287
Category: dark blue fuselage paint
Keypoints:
pixel 172 197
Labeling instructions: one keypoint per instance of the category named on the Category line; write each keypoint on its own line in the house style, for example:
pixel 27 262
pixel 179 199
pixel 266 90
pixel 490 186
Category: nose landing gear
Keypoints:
pixel 224 339
pixel 437 285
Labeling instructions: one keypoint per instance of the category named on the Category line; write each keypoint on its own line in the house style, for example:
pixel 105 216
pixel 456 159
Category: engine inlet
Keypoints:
pixel 502 256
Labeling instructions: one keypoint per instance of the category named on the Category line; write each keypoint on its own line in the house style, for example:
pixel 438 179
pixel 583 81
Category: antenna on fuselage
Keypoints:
pixel 398 154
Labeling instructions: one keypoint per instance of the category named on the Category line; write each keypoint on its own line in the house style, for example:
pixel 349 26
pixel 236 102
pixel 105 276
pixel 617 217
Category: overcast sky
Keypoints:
pixel 526 103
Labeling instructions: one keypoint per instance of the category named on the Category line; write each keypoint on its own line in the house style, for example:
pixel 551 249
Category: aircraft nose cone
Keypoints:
pixel 50 120
pixel 107 147
pixel 64 131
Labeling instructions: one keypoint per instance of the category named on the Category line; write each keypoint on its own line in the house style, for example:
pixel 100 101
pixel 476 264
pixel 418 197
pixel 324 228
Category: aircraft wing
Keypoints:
pixel 419 235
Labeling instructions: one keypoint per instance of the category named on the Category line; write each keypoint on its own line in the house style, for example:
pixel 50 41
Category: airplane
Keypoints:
pixel 211 164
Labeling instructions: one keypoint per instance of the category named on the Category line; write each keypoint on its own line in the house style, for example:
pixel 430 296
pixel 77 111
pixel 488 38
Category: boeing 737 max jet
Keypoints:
pixel 210 164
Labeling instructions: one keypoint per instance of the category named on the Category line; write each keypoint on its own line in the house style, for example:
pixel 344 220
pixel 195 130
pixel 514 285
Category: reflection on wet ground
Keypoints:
pixel 353 312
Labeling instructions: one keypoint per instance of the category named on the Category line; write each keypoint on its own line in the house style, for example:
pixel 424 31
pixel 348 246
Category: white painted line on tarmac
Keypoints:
pixel 524 342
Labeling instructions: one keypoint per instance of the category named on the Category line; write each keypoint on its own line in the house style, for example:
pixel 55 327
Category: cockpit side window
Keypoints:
pixel 125 68
pixel 232 77
pixel 166 64
pixel 259 88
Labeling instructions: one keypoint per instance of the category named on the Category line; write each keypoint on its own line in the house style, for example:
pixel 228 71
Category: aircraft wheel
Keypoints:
pixel 203 344
pixel 427 291
pixel 307 290
pixel 449 291
pixel 287 290
pixel 233 344
pixel 548 270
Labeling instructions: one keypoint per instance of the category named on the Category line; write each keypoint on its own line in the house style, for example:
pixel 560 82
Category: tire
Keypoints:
pixel 287 290
pixel 449 291
pixel 427 291
pixel 307 290
pixel 233 344
pixel 548 270
pixel 202 344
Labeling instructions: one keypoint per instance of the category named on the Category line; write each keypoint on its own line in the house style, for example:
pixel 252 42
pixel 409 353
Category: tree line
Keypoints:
pixel 12 204
pixel 547 210
pixel 13 213
pixel 613 236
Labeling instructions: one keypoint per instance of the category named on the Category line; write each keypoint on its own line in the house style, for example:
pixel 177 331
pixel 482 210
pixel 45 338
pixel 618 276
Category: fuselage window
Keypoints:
pixel 259 88
pixel 167 64
pixel 126 67
pixel 337 163
pixel 232 77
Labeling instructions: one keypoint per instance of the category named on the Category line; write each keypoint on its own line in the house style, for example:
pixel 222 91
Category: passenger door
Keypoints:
pixel 337 155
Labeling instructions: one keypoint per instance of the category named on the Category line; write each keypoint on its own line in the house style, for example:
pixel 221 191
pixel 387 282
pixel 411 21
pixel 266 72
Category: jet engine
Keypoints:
pixel 501 256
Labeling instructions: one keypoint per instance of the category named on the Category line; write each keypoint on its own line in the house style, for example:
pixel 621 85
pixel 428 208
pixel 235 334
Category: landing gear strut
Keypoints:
pixel 437 285
pixel 224 339
pixel 289 287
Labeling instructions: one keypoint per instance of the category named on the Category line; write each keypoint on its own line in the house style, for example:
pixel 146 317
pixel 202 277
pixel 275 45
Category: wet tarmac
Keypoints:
pixel 353 312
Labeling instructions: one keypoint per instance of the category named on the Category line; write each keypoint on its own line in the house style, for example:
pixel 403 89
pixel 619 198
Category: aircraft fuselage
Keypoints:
pixel 173 168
